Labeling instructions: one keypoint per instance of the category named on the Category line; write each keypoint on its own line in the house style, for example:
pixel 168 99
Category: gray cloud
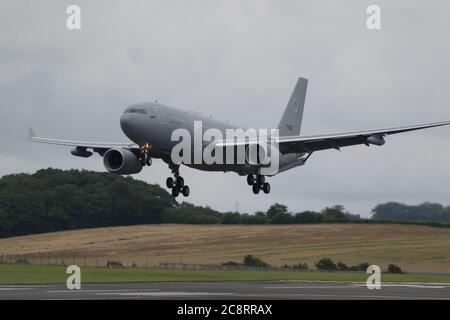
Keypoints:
pixel 237 60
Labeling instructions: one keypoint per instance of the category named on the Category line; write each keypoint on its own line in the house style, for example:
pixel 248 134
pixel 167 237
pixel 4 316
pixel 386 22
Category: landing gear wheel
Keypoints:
pixel 185 191
pixel 180 182
pixel 260 179
pixel 170 183
pixel 148 161
pixel 175 191
pixel 256 188
pixel 250 179
pixel 266 187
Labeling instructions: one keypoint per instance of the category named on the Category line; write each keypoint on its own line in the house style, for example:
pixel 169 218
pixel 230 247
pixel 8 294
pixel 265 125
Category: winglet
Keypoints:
pixel 31 133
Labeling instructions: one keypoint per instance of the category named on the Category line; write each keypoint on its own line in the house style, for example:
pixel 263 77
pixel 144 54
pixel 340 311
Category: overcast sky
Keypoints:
pixel 238 61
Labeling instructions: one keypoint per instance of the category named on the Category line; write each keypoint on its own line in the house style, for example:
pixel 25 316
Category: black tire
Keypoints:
pixel 170 183
pixel 266 187
pixel 185 191
pixel 180 182
pixel 175 191
pixel 260 179
pixel 149 161
pixel 256 188
pixel 250 179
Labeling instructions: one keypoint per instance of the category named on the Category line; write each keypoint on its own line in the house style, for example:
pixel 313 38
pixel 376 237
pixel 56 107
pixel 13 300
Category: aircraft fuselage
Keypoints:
pixel 154 123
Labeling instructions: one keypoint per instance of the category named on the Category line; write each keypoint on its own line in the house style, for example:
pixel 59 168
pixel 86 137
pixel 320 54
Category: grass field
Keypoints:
pixel 413 248
pixel 26 274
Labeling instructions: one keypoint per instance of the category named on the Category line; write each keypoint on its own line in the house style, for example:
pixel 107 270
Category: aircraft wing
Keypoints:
pixel 336 141
pixel 96 146
pixel 309 144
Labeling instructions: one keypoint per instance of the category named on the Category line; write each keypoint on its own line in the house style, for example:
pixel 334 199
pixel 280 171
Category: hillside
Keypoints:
pixel 56 200
pixel 53 200
pixel 414 248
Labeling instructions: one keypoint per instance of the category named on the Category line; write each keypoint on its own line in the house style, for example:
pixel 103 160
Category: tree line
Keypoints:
pixel 394 211
pixel 55 200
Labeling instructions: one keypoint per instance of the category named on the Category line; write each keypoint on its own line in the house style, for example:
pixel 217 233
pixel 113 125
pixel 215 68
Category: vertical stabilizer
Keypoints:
pixel 291 122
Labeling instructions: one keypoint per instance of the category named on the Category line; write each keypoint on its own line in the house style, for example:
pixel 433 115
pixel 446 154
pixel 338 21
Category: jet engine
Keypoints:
pixel 122 161
pixel 260 154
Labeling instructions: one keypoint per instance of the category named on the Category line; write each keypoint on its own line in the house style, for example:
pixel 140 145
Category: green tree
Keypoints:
pixel 334 214
pixel 394 211
pixel 52 200
pixel 308 217
pixel 326 264
pixel 362 266
pixel 276 209
pixel 393 268
pixel 231 218
pixel 252 261
pixel 342 266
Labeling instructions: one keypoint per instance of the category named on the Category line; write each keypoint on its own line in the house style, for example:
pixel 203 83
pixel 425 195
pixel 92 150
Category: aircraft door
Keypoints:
pixel 161 115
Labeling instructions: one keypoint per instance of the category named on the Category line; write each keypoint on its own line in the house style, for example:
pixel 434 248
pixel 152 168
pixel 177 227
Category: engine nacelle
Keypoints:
pixel 122 161
pixel 261 154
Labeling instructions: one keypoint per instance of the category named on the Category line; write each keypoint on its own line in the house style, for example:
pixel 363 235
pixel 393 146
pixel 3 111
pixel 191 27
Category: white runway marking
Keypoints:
pixel 16 286
pixel 352 286
pixel 421 286
pixel 167 293
pixel 313 287
pixel 413 285
pixel 226 290
pixel 99 290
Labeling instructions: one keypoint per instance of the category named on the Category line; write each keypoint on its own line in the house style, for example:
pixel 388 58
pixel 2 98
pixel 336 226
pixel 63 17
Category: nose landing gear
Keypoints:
pixel 258 183
pixel 145 151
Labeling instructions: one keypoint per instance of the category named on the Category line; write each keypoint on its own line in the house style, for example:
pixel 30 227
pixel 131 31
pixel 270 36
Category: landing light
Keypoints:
pixel 146 146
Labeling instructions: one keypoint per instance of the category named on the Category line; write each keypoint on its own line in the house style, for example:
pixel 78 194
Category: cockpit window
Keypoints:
pixel 136 110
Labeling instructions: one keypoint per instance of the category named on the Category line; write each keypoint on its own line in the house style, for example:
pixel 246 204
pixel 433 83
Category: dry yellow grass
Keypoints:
pixel 414 248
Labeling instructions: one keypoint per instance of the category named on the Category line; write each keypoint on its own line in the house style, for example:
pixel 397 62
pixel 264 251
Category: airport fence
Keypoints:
pixel 46 260
pixel 221 267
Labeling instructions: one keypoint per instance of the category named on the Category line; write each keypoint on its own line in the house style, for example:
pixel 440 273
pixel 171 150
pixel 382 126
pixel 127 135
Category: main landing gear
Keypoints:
pixel 258 183
pixel 177 185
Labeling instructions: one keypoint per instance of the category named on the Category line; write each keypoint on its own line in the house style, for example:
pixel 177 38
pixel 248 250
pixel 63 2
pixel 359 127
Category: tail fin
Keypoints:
pixel 31 133
pixel 291 122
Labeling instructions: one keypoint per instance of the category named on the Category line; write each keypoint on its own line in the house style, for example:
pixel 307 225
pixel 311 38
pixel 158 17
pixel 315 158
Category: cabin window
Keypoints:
pixel 136 110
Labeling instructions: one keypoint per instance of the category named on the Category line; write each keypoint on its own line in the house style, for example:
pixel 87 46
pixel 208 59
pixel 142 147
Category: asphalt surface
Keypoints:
pixel 229 290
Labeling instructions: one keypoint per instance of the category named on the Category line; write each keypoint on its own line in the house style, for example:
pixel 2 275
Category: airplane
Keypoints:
pixel 149 126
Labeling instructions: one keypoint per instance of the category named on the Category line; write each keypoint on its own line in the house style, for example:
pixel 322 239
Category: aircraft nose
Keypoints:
pixel 133 126
pixel 126 124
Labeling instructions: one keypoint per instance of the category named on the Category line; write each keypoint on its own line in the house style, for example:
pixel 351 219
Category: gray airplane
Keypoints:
pixel 150 125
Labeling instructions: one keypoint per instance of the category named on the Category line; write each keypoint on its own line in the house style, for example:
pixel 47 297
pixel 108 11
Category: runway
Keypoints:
pixel 229 290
